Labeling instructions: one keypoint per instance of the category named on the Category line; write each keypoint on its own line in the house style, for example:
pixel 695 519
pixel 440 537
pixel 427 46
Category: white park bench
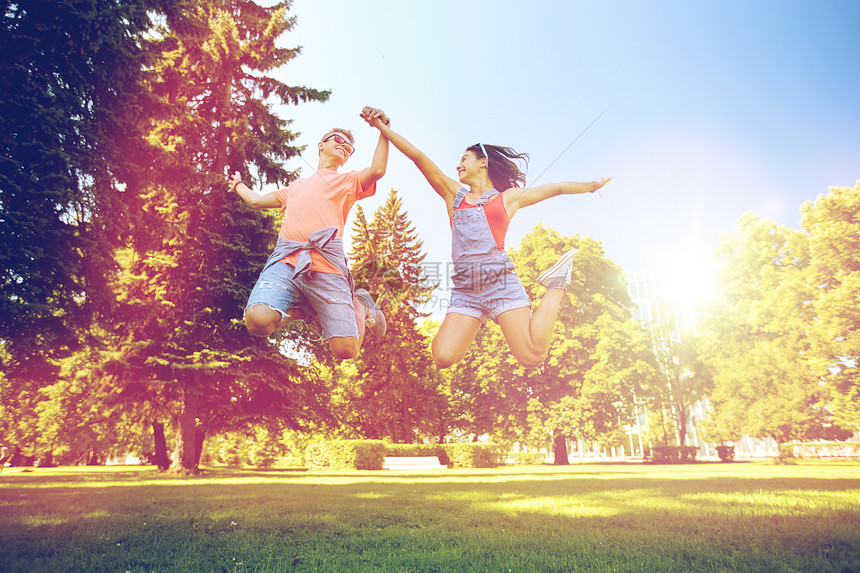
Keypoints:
pixel 412 463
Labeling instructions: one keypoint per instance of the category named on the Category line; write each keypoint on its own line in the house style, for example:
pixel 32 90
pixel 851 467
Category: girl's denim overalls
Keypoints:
pixel 485 279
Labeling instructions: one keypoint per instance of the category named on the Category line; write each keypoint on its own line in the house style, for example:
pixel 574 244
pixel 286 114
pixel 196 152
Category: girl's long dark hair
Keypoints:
pixel 502 166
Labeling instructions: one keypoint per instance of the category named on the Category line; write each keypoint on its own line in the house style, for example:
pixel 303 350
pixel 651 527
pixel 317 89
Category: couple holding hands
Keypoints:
pixel 308 275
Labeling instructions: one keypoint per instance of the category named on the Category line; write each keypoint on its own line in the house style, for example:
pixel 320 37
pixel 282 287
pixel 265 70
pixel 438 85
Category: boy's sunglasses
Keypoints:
pixel 340 140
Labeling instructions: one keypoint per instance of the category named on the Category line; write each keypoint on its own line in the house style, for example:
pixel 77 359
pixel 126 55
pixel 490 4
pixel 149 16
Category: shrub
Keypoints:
pixel 237 449
pixel 346 455
pixel 263 461
pixel 316 456
pixel 671 454
pixel 472 455
pixel 288 462
pixel 663 455
pixel 418 450
pixel 688 453
pixel 726 453
pixel 526 458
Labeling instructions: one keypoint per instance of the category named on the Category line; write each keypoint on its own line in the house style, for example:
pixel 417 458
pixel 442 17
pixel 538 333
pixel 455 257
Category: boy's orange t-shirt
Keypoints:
pixel 317 202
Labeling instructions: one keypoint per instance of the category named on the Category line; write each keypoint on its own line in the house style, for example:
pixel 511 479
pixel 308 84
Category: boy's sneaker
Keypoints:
pixel 559 275
pixel 373 317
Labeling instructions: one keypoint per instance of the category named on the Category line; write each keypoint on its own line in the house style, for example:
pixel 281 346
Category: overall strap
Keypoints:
pixel 486 197
pixel 459 198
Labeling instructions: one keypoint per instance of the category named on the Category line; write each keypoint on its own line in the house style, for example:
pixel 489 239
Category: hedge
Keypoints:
pixel 790 450
pixel 370 454
pixel 526 458
pixel 418 450
pixel 473 455
pixel 346 455
pixel 671 454
pixel 459 455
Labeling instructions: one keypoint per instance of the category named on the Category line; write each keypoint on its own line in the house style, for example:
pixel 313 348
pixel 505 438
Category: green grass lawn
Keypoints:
pixel 590 517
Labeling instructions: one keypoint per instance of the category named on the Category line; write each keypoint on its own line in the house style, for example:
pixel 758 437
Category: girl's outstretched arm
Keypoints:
pixel 443 185
pixel 516 197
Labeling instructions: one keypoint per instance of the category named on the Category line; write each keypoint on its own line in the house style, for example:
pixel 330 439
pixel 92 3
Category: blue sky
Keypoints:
pixel 713 108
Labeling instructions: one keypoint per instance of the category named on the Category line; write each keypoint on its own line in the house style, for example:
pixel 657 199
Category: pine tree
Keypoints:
pixel 393 391
pixel 69 76
pixel 70 91
pixel 196 249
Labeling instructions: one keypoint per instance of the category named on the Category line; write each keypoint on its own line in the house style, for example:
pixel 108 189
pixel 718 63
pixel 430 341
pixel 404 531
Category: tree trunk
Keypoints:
pixel 200 437
pixel 16 457
pixel 185 449
pixel 680 407
pixel 663 426
pixel 161 459
pixel 443 430
pixel 559 450
pixel 682 423
pixel 224 114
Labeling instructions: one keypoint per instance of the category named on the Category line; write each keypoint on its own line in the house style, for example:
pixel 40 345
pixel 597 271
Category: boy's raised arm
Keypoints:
pixel 380 157
pixel 255 200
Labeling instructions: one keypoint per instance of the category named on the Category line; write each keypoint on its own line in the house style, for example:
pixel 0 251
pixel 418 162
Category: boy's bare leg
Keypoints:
pixel 348 347
pixel 262 320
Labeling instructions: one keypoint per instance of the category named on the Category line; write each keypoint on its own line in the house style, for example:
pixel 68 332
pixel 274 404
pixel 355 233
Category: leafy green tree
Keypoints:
pixel 78 421
pixel 833 226
pixel 391 392
pixel 660 427
pixel 766 376
pixel 18 414
pixel 449 411
pixel 258 446
pixel 472 404
pixel 85 413
pixel 683 378
pixel 598 362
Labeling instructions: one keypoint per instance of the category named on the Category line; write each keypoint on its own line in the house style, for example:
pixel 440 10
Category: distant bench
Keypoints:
pixel 412 463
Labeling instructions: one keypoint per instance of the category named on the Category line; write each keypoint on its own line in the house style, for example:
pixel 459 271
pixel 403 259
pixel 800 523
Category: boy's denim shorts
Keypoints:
pixel 327 293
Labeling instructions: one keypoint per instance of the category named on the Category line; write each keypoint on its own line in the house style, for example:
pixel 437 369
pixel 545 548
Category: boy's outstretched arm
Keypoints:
pixel 255 200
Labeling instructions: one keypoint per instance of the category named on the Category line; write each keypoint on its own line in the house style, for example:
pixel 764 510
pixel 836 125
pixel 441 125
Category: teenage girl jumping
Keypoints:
pixel 480 205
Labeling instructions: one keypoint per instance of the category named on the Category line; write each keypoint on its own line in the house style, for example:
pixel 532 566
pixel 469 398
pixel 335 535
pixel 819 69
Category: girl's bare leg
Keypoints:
pixel 454 338
pixel 529 334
